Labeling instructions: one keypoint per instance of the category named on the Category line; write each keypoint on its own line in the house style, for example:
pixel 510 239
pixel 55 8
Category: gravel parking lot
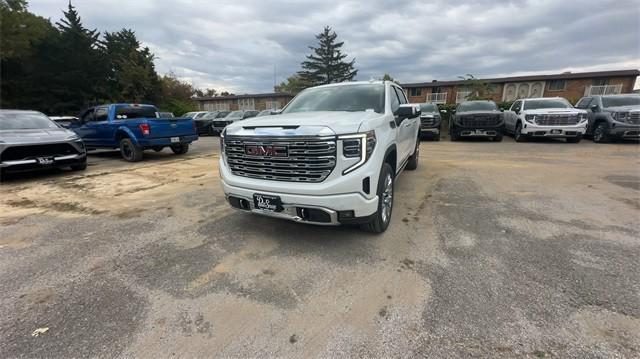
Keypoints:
pixel 494 250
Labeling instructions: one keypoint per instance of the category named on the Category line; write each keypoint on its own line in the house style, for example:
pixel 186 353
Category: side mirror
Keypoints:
pixel 276 112
pixel 594 108
pixel 501 109
pixel 443 111
pixel 407 111
pixel 517 112
pixel 453 110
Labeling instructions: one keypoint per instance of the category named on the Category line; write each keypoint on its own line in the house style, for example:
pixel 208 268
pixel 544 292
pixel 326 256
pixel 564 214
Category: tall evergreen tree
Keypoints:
pixel 327 64
pixel 80 68
pixel 132 76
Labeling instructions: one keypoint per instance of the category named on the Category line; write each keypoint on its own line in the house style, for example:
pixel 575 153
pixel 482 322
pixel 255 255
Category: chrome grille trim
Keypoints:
pixel 480 120
pixel 310 159
pixel 557 120
pixel 634 118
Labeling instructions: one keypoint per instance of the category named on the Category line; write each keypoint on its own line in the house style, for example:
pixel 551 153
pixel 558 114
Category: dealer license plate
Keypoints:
pixel 267 202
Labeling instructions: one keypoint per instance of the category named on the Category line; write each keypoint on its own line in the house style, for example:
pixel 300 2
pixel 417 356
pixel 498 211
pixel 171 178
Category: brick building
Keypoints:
pixel 569 85
pixel 262 101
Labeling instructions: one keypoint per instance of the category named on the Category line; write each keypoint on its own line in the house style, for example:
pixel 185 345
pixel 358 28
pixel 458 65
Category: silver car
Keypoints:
pixel 29 140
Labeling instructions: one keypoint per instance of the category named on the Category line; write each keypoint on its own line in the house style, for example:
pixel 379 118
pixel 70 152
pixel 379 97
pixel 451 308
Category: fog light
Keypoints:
pixel 346 214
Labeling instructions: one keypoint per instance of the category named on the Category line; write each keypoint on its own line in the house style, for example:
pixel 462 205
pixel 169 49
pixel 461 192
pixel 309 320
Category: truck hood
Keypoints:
pixel 35 136
pixel 339 122
pixel 471 113
pixel 548 111
pixel 623 108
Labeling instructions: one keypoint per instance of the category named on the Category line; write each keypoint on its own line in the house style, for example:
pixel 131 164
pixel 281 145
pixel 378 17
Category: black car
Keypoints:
pixel 477 119
pixel 430 121
pixel 29 140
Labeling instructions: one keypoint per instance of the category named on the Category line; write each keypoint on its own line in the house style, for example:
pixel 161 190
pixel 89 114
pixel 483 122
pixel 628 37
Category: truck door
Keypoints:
pixel 406 130
pixel 510 117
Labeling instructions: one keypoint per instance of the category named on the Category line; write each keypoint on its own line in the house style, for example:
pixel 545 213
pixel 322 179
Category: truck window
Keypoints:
pixel 88 115
pixel 395 102
pixel 343 97
pixel 584 102
pixel 131 112
pixel 100 114
pixel 401 96
pixel 516 106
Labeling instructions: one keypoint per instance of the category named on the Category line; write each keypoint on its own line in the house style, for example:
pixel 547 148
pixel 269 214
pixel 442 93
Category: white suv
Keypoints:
pixel 330 157
pixel 545 117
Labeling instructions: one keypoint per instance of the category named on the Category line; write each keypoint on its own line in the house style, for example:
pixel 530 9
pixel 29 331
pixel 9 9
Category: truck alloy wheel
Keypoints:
pixel 517 134
pixel 600 134
pixel 130 151
pixel 382 217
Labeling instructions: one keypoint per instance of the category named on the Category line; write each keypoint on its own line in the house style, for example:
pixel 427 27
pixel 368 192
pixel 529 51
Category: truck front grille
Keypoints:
pixel 556 120
pixel 299 159
pixel 634 118
pixel 480 120
pixel 426 122
pixel 17 153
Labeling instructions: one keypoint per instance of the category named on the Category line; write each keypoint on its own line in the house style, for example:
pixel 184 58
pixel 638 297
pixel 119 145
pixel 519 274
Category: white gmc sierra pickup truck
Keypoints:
pixel 330 157
pixel 545 117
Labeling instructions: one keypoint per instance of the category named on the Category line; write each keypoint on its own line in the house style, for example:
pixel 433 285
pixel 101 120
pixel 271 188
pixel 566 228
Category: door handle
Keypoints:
pixel 407 124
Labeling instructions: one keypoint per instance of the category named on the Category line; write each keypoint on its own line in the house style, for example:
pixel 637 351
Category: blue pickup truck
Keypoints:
pixel 133 128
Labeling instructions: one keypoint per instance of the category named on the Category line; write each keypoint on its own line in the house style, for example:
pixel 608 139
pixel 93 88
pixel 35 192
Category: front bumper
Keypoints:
pixel 625 132
pixel 294 205
pixel 480 131
pixel 534 130
pixel 35 164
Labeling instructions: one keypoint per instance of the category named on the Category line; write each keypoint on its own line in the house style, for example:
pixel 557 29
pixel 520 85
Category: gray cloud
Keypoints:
pixel 235 45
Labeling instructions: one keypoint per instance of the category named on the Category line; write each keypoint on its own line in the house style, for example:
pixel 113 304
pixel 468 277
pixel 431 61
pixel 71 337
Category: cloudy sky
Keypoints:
pixel 234 45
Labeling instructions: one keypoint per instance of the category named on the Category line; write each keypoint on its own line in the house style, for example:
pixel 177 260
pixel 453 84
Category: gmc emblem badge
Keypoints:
pixel 266 151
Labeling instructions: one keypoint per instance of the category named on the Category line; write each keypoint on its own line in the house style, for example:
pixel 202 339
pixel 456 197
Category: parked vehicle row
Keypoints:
pixel 603 118
pixel 211 123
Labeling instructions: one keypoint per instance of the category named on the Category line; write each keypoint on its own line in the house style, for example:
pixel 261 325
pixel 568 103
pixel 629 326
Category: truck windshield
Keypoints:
pixel 235 114
pixel 210 115
pixel 620 101
pixel 130 112
pixel 477 106
pixel 25 121
pixel 539 104
pixel 428 107
pixel 339 98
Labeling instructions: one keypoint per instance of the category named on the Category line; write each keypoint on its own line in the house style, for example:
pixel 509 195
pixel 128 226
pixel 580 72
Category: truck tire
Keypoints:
pixel 129 151
pixel 436 137
pixel 453 133
pixel 498 137
pixel 517 134
pixel 180 149
pixel 412 164
pixel 574 139
pixel 382 217
pixel 601 133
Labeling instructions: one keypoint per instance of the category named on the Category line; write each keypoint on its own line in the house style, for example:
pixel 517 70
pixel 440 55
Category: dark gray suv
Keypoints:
pixel 29 140
pixel 430 121
pixel 612 117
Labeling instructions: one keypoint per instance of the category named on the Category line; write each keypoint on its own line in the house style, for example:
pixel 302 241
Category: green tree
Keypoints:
pixel 132 76
pixel 326 64
pixel 480 90
pixel 21 35
pixel 78 66
pixel 293 85
pixel 176 96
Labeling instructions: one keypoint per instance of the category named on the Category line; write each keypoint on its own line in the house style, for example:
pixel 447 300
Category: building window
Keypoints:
pixel 600 82
pixel 557 85
pixel 219 106
pixel 246 104
pixel 272 105
pixel 415 92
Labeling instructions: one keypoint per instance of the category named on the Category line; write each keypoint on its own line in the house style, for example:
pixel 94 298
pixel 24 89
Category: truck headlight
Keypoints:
pixel 582 117
pixel 530 118
pixel 619 116
pixel 359 145
pixel 73 137
pixel 222 142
